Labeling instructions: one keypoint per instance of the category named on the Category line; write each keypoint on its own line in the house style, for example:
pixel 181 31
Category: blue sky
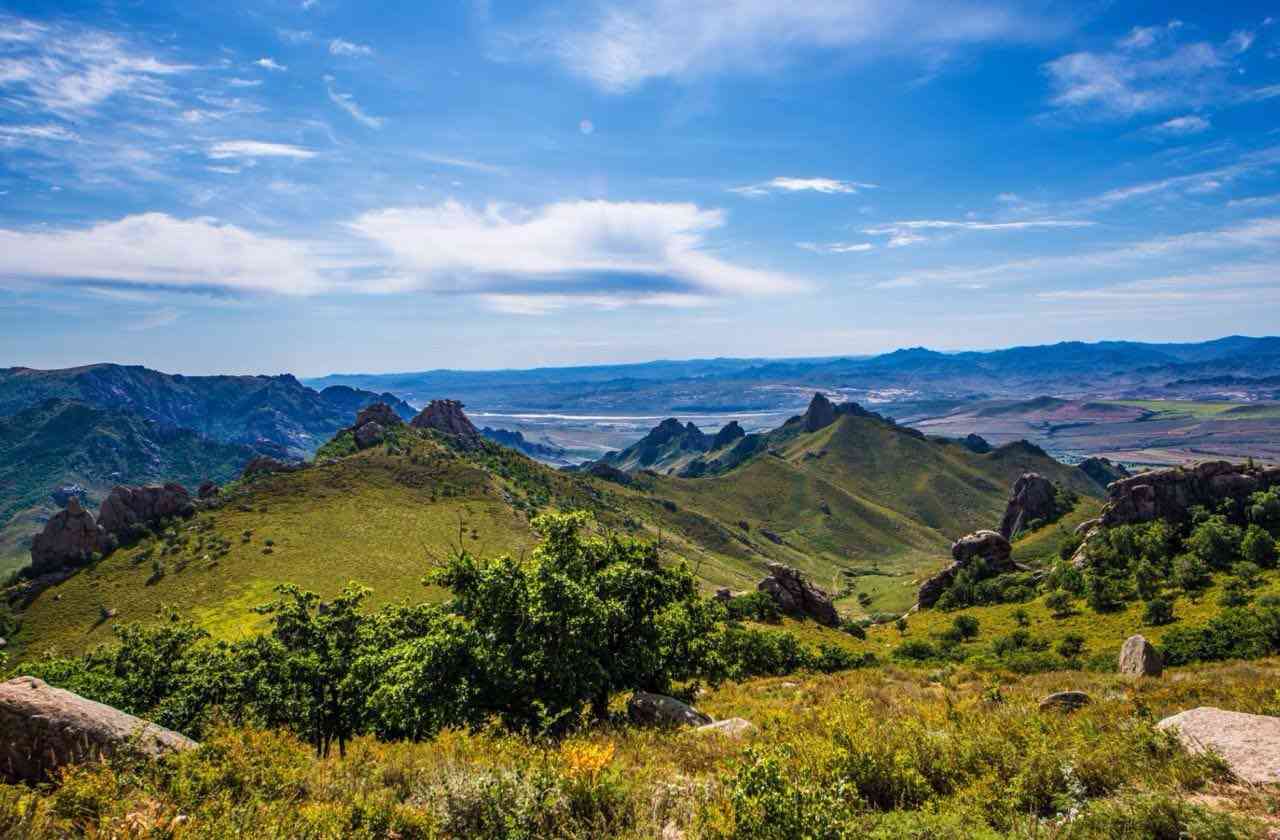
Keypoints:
pixel 325 185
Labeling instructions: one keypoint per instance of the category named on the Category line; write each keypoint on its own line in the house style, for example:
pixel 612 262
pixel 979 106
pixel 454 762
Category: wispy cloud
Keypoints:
pixel 347 48
pixel 24 135
pixel 911 232
pixel 829 186
pixel 836 247
pixel 463 163
pixel 581 249
pixel 249 149
pixel 618 46
pixel 1147 71
pixel 1183 126
pixel 268 63
pixel 347 102
pixel 154 319
pixel 1196 183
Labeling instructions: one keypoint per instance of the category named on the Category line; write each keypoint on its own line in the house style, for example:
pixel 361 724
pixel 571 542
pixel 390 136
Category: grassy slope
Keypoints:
pixel 895 503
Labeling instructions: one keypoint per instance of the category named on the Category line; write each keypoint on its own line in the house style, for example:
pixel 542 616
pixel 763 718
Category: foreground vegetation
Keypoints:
pixel 892 753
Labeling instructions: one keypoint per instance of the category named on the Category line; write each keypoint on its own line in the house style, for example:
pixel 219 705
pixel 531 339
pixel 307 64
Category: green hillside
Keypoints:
pixel 862 505
pixel 60 442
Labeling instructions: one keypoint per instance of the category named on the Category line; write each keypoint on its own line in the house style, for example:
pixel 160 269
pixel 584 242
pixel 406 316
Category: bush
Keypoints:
pixel 1191 573
pixel 753 606
pixel 1216 542
pixel 915 650
pixel 965 626
pixel 1059 603
pixel 1259 547
pixel 1232 634
pixel 1071 646
pixel 1159 611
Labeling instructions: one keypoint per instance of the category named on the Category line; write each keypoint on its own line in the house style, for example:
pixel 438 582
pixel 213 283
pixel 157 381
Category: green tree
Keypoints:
pixel 1158 611
pixel 1059 603
pixel 1259 547
pixel 1191 573
pixel 1216 542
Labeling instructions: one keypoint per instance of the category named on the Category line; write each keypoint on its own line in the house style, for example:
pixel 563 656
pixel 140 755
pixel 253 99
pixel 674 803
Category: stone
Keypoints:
pixel 724 594
pixel 977 444
pixel 62 495
pixel 447 417
pixel 797 596
pixel 1139 658
pixel 128 512
pixel 380 413
pixel 1065 701
pixel 1034 497
pixel 208 490
pixel 43 728
pixel 266 465
pixel 1249 744
pixel 70 538
pixel 734 728
pixel 820 414
pixel 648 709
pixel 992 547
pixel 369 434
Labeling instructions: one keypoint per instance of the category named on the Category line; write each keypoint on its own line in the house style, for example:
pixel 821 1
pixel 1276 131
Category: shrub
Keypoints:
pixel 1191 573
pixel 753 606
pixel 1215 542
pixel 1235 593
pixel 1071 646
pixel 915 650
pixel 965 626
pixel 1059 603
pixel 1232 634
pixel 1259 547
pixel 1159 611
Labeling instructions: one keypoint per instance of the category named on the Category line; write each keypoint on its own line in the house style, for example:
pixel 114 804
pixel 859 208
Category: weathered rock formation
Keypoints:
pixel 1171 493
pixel 991 547
pixel 1250 744
pixel 447 417
pixel 796 596
pixel 372 423
pixel 62 495
pixel 820 414
pixel 977 444
pixel 647 709
pixel 70 538
pixel 1138 658
pixel 727 435
pixel 128 512
pixel 1034 497
pixel 43 728
pixel 208 490
pixel 266 465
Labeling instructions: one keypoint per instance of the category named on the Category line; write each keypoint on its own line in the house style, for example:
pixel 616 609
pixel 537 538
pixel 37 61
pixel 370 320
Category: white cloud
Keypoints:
pixel 249 149
pixel 346 48
pixel 830 186
pixel 1183 126
pixel 244 83
pixel 592 249
pixel 270 64
pixel 157 249
pixel 295 36
pixel 619 45
pixel 23 135
pixel 536 305
pixel 1255 201
pixel 70 71
pixel 347 102
pixel 462 163
pixel 1196 182
pixel 1148 71
pixel 836 247
pixel 911 232
pixel 154 319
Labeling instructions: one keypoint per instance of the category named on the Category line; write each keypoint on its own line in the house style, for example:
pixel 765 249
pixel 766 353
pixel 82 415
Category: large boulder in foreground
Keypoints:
pixel 1139 658
pixel 1034 498
pixel 43 728
pixel 796 596
pixel 1250 744
pixel 992 548
pixel 70 538
pixel 646 709
pixel 128 512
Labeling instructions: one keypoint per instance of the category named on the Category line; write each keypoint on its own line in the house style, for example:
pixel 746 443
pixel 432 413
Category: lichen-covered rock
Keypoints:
pixel 992 547
pixel 70 538
pixel 447 417
pixel 43 728
pixel 646 709
pixel 1033 498
pixel 1138 658
pixel 1249 744
pixel 128 512
pixel 734 728
pixel 796 596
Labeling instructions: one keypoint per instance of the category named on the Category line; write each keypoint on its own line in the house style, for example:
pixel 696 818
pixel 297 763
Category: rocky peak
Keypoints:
pixel 731 432
pixel 977 444
pixel 820 413
pixel 128 511
pixel 1171 493
pixel 70 538
pixel 380 413
pixel 447 417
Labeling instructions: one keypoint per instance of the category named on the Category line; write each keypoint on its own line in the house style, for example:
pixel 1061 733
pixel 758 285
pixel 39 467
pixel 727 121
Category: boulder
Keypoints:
pixel 62 495
pixel 1249 744
pixel 70 538
pixel 266 465
pixel 734 728
pixel 796 596
pixel 647 709
pixel 991 547
pixel 1065 701
pixel 447 417
pixel 43 728
pixel 380 413
pixel 370 434
pixel 724 594
pixel 1033 497
pixel 1138 658
pixel 128 512
pixel 208 490
pixel 977 444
